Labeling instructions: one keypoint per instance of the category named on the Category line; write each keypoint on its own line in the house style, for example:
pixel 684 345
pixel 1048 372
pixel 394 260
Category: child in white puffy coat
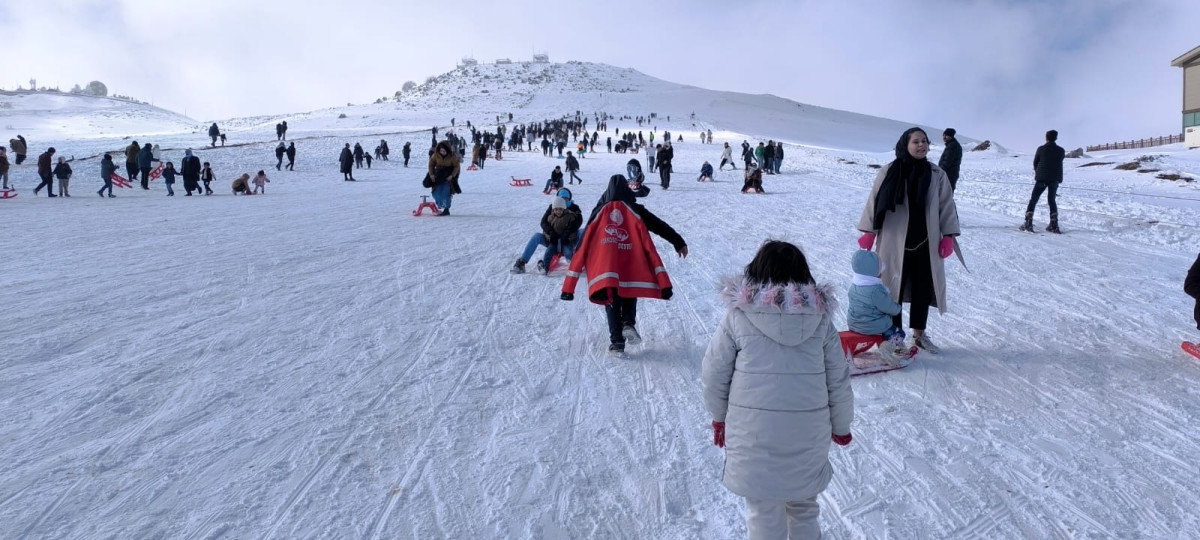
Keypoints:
pixel 778 387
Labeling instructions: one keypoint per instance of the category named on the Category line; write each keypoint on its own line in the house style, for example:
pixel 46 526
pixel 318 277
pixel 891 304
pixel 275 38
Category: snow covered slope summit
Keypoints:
pixel 53 115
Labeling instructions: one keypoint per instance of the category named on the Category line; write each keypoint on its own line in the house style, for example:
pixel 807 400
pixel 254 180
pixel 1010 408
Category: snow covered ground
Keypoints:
pixel 318 363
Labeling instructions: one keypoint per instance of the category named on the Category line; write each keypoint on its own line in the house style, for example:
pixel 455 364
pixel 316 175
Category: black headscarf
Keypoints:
pixel 902 172
pixel 618 190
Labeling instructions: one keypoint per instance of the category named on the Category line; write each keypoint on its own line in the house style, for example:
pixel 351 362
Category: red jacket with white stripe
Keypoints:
pixel 617 253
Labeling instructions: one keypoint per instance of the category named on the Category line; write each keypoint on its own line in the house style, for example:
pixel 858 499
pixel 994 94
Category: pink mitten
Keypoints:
pixel 866 240
pixel 946 246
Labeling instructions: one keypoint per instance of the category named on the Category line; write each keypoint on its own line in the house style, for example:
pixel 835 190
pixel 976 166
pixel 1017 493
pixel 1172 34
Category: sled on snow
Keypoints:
pixel 866 357
pixel 521 182
pixel 425 204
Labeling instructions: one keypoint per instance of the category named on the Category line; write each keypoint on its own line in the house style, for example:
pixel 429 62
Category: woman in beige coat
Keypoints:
pixel 778 387
pixel 911 219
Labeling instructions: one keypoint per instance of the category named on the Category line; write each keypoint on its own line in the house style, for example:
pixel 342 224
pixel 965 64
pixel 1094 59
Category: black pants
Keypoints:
pixel 1051 192
pixel 664 175
pixel 620 313
pixel 145 178
pixel 405 161
pixel 20 159
pixel 47 182
pixel 131 170
pixel 279 163
pixel 291 163
pixel 917 277
pixel 107 186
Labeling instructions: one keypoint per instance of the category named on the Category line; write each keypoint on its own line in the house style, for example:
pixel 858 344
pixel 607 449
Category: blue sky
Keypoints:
pixel 1096 70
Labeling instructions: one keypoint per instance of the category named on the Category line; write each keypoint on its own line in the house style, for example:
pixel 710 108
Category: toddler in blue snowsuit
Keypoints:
pixel 871 306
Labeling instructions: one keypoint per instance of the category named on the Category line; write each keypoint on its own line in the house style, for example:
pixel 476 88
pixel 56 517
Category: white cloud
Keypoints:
pixel 1096 70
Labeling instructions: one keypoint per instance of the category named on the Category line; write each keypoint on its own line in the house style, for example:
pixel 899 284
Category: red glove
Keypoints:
pixel 866 240
pixel 719 433
pixel 946 246
pixel 842 440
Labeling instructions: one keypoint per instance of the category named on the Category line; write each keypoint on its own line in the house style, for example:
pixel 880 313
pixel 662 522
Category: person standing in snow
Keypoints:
pixel 1047 175
pixel 665 155
pixel 131 155
pixel 145 162
pixel 1191 286
pixel 911 218
pixel 4 168
pixel 280 150
pixel 768 158
pixel 207 176
pixel 442 174
pixel 283 133
pixel 727 157
pixel 45 171
pixel 777 385
pixel 279 132
pixel 406 151
pixel 291 155
pixel 155 156
pixel 951 157
pixel 358 156
pixel 620 259
pixel 168 175
pixel 651 154
pixel 19 148
pixel 260 183
pixel 346 161
pixel 214 132
pixel 778 156
pixel 62 172
pixel 107 170
pixel 190 169
pixel 572 168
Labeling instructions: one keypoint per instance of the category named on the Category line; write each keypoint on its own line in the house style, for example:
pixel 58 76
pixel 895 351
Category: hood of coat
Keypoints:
pixel 788 314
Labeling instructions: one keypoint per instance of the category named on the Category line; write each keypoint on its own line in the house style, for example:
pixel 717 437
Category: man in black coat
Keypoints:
pixel 189 168
pixel 664 157
pixel 951 157
pixel 1047 175
pixel 291 155
pixel 406 151
pixel 1191 285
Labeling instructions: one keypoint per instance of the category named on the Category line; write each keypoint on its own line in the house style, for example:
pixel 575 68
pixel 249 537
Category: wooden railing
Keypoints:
pixel 1139 143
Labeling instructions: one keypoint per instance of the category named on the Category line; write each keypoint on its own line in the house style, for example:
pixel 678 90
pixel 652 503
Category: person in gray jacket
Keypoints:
pixel 777 385
pixel 951 157
pixel 1047 175
pixel 871 306
pixel 107 169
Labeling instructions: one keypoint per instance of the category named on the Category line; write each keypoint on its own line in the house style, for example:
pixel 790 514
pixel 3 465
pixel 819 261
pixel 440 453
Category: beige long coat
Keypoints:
pixel 941 219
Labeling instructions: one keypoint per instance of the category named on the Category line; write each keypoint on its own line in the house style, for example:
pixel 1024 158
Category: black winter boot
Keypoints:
pixel 519 268
pixel 1053 227
pixel 1028 225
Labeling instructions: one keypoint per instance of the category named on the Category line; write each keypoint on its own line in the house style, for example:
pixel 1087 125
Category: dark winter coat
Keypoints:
pixel 572 163
pixel 406 150
pixel 145 158
pixel 280 151
pixel 3 163
pixel 189 168
pixel 564 227
pixel 168 175
pixel 346 160
pixel 213 131
pixel 952 158
pixel 44 162
pixel 1048 163
pixel 1191 285
pixel 18 146
pixel 291 152
pixel 62 171
pixel 107 168
pixel 131 152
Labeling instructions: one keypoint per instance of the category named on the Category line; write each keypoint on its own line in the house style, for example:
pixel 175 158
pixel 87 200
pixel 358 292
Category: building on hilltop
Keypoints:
pixel 467 61
pixel 541 58
pixel 1190 62
pixel 502 61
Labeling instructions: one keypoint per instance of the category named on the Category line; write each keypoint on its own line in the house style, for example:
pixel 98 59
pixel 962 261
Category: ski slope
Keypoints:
pixel 318 363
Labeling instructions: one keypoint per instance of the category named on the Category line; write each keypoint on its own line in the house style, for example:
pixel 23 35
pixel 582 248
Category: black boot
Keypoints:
pixel 519 268
pixel 1028 225
pixel 1053 227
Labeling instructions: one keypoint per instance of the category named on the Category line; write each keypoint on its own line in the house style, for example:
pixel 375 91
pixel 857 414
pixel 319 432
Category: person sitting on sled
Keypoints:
pixel 706 173
pixel 560 233
pixel 871 307
pixel 555 181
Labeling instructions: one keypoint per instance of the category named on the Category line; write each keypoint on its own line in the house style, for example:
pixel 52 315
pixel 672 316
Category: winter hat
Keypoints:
pixel 565 194
pixel 559 204
pixel 949 132
pixel 865 263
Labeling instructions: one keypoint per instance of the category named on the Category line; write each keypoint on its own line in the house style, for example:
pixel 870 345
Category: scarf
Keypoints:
pixel 903 170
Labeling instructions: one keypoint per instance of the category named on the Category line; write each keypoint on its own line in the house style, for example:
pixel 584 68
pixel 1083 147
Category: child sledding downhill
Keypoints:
pixel 560 234
pixel 871 308
pixel 620 259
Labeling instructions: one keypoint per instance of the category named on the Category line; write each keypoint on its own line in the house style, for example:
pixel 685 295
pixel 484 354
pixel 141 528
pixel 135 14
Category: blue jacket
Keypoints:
pixel 145 157
pixel 871 307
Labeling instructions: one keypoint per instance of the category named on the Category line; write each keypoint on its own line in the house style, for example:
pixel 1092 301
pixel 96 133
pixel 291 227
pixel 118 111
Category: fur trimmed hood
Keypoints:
pixel 788 314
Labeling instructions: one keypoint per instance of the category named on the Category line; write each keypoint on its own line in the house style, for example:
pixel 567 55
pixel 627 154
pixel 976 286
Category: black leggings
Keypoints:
pixel 917 276
pixel 621 312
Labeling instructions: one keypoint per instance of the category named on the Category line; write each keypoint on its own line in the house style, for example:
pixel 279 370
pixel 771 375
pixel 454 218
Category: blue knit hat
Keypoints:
pixel 565 194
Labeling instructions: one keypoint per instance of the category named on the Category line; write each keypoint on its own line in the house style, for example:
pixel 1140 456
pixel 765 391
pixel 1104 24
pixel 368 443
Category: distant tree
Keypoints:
pixel 97 88
pixel 76 90
pixel 408 86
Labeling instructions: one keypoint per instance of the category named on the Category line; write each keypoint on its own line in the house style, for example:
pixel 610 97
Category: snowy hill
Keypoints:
pixel 536 91
pixel 51 115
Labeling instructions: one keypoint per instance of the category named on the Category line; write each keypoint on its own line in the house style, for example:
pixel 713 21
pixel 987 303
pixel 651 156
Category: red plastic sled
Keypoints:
pixel 855 344
pixel 863 361
pixel 472 168
pixel 8 194
pixel 426 204
pixel 1191 348
pixel 521 182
